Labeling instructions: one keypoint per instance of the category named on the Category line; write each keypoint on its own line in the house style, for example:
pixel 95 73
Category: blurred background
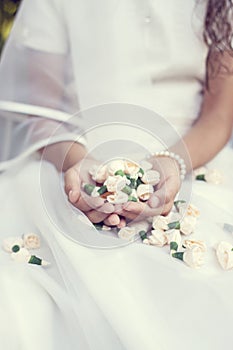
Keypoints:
pixel 8 9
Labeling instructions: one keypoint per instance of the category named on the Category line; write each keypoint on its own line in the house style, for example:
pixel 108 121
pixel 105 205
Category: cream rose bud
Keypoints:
pixel 194 257
pixel 173 236
pixel 127 233
pixel 118 198
pixel 31 241
pixel 22 255
pixel 189 210
pixel 151 177
pixel 187 225
pixel 99 173
pixel 144 191
pixel 225 255
pixel 131 168
pixel 158 238
pixel 160 222
pixel 10 242
pixel 115 183
pixel 115 165
pixel 189 243
pixel 214 176
pixel 200 171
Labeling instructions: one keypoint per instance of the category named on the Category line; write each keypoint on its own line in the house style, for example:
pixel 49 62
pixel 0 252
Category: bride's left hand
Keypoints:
pixel 161 201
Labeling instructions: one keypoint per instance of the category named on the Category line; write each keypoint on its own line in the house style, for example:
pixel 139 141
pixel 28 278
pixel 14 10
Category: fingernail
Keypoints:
pixel 154 202
pixel 128 206
pixel 107 208
pixel 72 195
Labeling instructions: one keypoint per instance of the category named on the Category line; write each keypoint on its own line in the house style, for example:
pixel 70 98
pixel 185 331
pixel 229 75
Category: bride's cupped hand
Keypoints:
pixel 94 208
pixel 161 201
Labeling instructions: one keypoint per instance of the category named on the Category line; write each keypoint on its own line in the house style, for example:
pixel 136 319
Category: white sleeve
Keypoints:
pixel 41 26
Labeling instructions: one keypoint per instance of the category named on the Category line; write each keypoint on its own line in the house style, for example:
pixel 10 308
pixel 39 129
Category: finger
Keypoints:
pixel 122 223
pixel 165 194
pixel 86 203
pixel 112 220
pixel 72 185
pixel 96 216
pixel 143 210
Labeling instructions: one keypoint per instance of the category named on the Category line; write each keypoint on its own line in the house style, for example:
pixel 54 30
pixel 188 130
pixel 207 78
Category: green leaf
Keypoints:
pixel 201 177
pixel 88 188
pixel 133 183
pixel 141 171
pixel 35 260
pixel 178 255
pixel 102 189
pixel 132 199
pixel 139 181
pixel 15 248
pixel 120 172
pixel 143 235
pixel 177 203
pixel 98 226
pixel 127 190
pixel 174 225
pixel 173 246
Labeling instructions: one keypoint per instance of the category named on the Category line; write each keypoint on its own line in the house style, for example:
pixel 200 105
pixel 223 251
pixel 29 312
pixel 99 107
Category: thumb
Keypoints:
pixel 165 194
pixel 72 185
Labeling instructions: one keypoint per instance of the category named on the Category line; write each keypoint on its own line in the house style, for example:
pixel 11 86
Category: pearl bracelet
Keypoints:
pixel 174 156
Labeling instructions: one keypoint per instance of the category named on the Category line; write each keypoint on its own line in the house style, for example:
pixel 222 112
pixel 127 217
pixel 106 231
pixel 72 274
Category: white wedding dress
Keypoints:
pixel 129 297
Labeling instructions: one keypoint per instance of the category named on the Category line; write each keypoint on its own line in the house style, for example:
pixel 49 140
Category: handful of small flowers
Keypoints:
pixel 120 181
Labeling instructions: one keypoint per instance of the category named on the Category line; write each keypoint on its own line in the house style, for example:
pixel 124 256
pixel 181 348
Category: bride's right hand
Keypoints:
pixel 94 208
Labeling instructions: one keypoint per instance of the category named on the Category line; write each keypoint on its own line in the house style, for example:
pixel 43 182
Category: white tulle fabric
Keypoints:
pixel 63 57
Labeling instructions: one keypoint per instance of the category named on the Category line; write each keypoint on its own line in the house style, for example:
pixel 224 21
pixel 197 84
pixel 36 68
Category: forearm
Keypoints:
pixel 204 140
pixel 64 154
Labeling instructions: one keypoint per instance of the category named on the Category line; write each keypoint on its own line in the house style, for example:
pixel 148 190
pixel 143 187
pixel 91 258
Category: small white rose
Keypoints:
pixel 134 194
pixel 173 236
pixel 194 257
pixel 214 176
pixel 118 198
pixel 151 177
pixel 189 243
pixel 225 255
pixel 146 241
pixel 10 242
pixel 160 222
pixel 22 255
pixel 99 173
pixel 189 210
pixel 187 225
pixel 115 165
pixel 127 233
pixel 144 191
pixel 31 241
pixel 158 238
pixel 131 168
pixel 115 183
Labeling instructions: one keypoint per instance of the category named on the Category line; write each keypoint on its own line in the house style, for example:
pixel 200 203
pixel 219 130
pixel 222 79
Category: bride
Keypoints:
pixel 85 82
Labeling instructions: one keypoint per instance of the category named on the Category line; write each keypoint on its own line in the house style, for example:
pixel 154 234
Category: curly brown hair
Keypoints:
pixel 218 36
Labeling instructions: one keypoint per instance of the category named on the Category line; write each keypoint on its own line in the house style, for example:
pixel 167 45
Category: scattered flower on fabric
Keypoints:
pixel 187 225
pixel 12 243
pixel 212 176
pixel 31 241
pixel 127 233
pixel 224 252
pixel 22 255
pixel 194 257
pixel 189 243
pixel 158 238
pixel 160 222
